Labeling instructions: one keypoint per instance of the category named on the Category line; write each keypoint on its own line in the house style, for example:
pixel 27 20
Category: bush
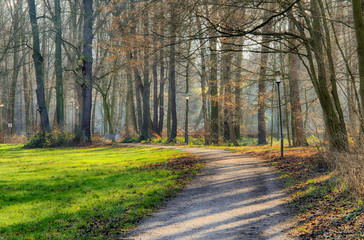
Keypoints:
pixel 55 138
pixel 314 141
pixel 134 139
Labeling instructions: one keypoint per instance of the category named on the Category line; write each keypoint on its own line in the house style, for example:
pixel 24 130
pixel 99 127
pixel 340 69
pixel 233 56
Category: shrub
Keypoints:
pixel 134 139
pixel 314 141
pixel 56 138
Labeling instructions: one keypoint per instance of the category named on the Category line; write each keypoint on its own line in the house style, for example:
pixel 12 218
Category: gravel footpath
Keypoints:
pixel 234 197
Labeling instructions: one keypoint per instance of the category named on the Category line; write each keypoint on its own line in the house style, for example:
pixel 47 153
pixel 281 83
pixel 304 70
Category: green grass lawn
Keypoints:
pixel 84 193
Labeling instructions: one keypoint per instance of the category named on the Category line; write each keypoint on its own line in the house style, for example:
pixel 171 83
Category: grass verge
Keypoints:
pixel 85 193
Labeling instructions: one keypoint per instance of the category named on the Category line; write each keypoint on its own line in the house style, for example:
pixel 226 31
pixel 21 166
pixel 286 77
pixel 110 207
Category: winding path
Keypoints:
pixel 234 197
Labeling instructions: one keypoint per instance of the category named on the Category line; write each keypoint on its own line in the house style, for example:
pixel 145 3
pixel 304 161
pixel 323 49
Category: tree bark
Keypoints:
pixel 87 71
pixel 28 119
pixel 337 136
pixel 58 65
pixel 172 73
pixel 294 68
pixel 357 6
pixel 226 84
pixel 206 129
pixel 261 94
pixel 238 82
pixel 161 93
pixel 214 92
pixel 39 68
pixel 146 85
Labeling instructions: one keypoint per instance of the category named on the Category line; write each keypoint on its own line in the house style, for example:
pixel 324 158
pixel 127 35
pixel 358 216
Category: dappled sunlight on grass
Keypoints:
pixel 59 193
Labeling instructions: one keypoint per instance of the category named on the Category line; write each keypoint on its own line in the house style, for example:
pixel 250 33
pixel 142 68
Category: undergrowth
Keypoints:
pixel 56 138
pixel 325 188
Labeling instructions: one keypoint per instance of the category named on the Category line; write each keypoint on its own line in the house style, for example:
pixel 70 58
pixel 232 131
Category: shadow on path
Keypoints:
pixel 234 197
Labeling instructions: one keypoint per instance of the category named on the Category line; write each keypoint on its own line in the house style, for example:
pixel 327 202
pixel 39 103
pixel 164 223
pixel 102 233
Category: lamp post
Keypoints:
pixel 77 115
pixel 186 124
pixel 278 81
pixel 1 116
pixel 10 125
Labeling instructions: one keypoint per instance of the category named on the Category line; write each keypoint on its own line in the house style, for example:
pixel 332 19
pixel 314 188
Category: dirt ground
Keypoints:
pixel 234 197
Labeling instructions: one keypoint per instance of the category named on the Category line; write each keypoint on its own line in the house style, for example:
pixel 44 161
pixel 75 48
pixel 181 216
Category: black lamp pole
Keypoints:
pixel 278 81
pixel 186 124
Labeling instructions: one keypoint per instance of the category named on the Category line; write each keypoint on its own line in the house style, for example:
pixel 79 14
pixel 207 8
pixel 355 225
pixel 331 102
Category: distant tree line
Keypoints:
pixel 149 68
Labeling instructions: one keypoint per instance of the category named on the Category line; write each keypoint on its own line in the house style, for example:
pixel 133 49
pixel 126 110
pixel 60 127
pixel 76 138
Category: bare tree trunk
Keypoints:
pixel 238 82
pixel 357 6
pixel 214 92
pixel 87 71
pixel 94 115
pixel 146 89
pixel 337 136
pixel 58 65
pixel 39 68
pixel 261 95
pixel 139 101
pixel 294 67
pixel 172 73
pixel 169 112
pixel 16 67
pixel 286 110
pixel 155 95
pixel 28 119
pixel 331 65
pixel 130 107
pixel 155 85
pixel 206 129
pixel 161 93
pixel 114 105
pixel 226 84
pixel 107 113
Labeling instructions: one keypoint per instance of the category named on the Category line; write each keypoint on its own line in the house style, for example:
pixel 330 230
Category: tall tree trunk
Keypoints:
pixel 238 82
pixel 172 72
pixel 169 111
pixel 138 98
pixel 39 68
pixel 28 119
pixel 357 6
pixel 16 67
pixel 93 114
pixel 58 65
pixel 130 107
pixel 161 93
pixel 226 84
pixel 155 95
pixel 206 129
pixel 286 115
pixel 332 71
pixel 155 83
pixel 113 104
pixel 214 92
pixel 87 71
pixel 146 89
pixel 294 67
pixel 337 136
pixel 261 88
pixel 107 113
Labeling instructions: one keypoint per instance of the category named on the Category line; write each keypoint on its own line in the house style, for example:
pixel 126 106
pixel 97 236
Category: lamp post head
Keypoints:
pixel 278 80
pixel 278 77
pixel 2 105
pixel 187 98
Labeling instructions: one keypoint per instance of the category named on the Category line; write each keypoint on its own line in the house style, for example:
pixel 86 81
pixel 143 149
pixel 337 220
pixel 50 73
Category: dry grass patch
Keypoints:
pixel 326 189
